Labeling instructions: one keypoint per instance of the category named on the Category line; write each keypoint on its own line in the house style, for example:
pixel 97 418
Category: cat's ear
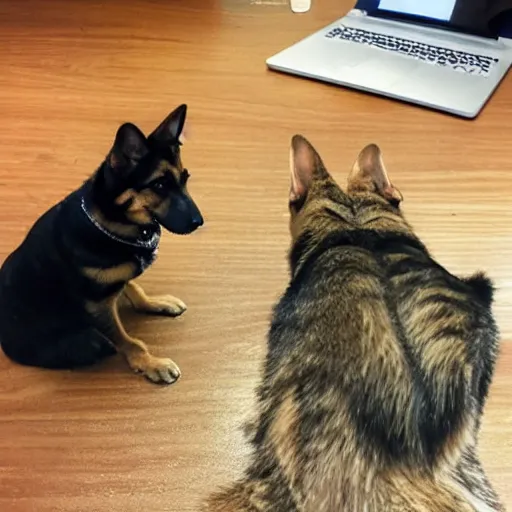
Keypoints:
pixel 129 147
pixel 305 167
pixel 369 175
pixel 170 130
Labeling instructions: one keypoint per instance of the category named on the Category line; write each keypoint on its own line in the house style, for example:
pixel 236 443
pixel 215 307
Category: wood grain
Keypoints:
pixel 70 72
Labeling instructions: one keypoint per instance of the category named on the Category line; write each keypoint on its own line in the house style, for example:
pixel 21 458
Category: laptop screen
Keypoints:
pixel 434 9
pixel 482 17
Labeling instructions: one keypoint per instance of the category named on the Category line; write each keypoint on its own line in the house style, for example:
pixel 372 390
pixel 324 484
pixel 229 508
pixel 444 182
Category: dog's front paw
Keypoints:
pixel 167 305
pixel 157 369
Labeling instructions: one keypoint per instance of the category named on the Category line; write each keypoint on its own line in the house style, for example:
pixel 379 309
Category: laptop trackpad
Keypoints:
pixel 379 72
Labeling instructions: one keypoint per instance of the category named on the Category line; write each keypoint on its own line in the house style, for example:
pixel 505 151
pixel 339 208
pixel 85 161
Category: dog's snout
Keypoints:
pixel 183 216
pixel 197 220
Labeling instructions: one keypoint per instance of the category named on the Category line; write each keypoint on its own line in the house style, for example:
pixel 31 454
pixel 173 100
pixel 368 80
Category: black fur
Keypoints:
pixel 46 318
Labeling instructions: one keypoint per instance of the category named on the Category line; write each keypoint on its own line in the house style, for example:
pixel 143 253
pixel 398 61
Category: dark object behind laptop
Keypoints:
pixel 487 18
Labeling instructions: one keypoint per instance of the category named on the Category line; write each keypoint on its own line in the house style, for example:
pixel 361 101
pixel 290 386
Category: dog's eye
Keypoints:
pixel 158 185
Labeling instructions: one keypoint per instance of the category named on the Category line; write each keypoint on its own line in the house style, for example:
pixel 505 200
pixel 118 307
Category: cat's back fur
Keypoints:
pixel 378 366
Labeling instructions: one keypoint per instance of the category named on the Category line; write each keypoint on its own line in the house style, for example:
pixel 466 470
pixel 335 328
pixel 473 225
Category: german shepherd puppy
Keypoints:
pixel 59 289
pixel 378 366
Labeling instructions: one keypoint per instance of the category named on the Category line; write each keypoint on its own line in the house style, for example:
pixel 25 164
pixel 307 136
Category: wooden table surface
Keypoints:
pixel 70 73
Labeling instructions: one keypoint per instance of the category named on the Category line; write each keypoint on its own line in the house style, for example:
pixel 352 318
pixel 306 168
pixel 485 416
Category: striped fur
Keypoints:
pixel 379 362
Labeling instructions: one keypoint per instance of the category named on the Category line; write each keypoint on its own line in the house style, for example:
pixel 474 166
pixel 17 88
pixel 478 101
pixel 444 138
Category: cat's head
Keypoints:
pixel 318 205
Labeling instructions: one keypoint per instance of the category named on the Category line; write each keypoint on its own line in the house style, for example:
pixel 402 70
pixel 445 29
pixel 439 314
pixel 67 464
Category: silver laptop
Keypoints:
pixel 410 50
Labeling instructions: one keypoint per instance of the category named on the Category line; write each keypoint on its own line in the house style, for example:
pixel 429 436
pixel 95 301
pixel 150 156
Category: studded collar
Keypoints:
pixel 142 242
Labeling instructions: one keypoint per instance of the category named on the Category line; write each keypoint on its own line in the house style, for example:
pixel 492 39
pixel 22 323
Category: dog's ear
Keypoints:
pixel 171 128
pixel 129 147
pixel 305 167
pixel 369 175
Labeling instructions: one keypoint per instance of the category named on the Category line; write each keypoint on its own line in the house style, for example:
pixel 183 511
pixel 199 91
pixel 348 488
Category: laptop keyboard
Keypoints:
pixel 470 63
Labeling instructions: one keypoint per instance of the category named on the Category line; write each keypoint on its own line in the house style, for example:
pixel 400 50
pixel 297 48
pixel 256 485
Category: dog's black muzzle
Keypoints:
pixel 182 217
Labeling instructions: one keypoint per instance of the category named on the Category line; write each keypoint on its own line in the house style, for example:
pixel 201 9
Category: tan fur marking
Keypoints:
pixel 142 201
pixel 159 172
pixel 177 173
pixel 138 211
pixel 119 273
pixel 397 257
pixel 126 196
pixel 164 167
pixel 141 217
pixel 283 433
pixel 156 369
pixel 162 208
pixel 167 304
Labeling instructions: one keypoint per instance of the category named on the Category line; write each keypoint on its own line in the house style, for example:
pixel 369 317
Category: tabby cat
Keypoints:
pixel 379 362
